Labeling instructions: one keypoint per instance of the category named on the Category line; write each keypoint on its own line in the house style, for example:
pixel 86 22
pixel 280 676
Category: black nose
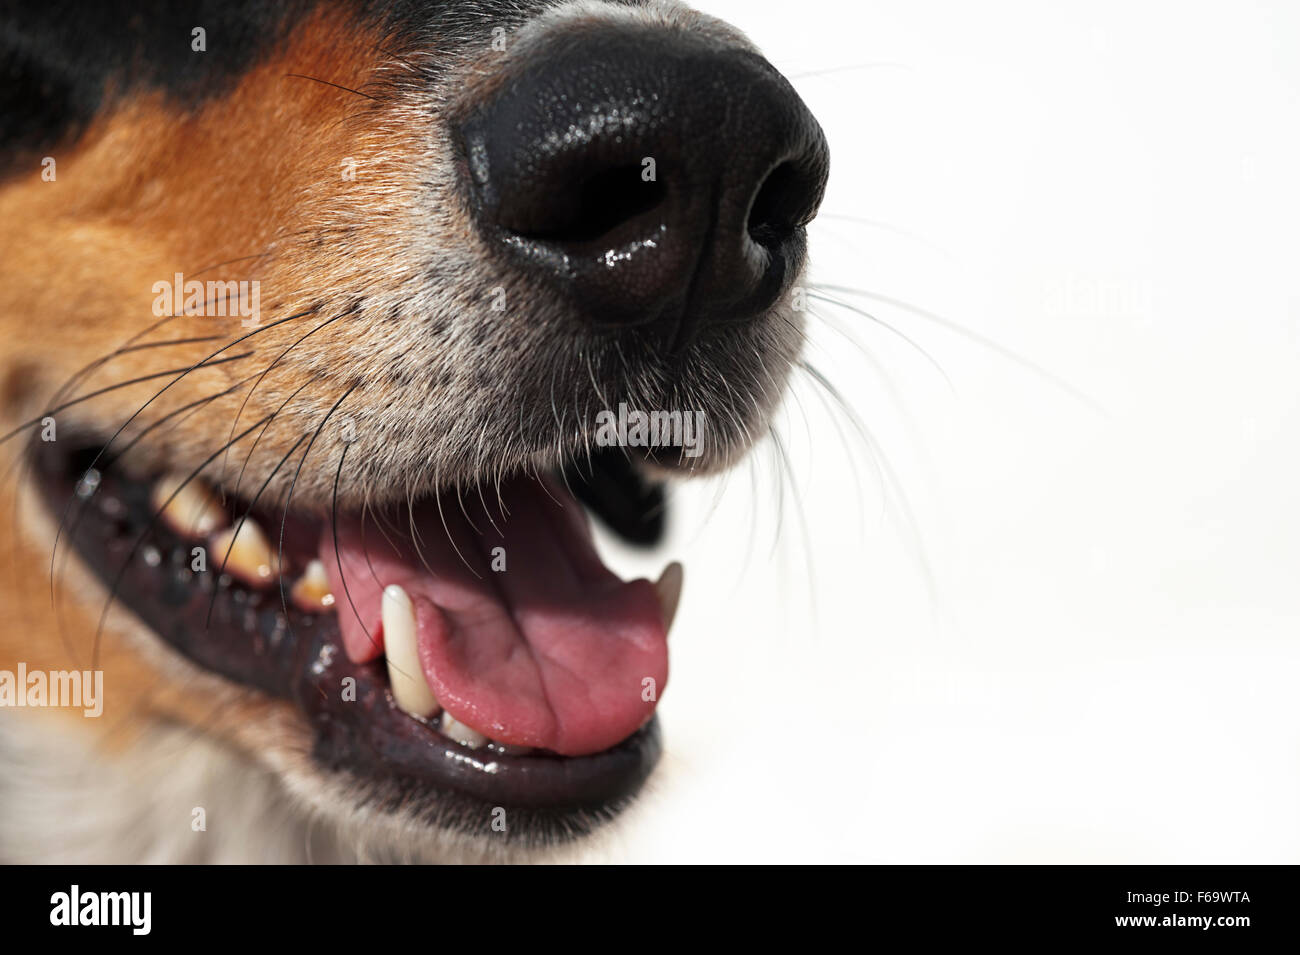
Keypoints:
pixel 651 177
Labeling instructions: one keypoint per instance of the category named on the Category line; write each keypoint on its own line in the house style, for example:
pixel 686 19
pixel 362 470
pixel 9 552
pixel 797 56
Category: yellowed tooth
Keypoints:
pixel 311 591
pixel 251 558
pixel 406 676
pixel 195 509
pixel 465 735
pixel 669 589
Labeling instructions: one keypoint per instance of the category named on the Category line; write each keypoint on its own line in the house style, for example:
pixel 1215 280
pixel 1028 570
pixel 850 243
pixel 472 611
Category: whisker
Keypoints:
pixel 464 513
pixel 803 525
pixel 265 484
pixel 204 363
pixel 337 86
pixel 221 265
pixel 388 529
pixel 338 556
pixel 881 65
pixel 865 314
pixel 169 342
pixel 103 391
pixel 438 499
pixel 415 68
pixel 126 562
pixel 827 218
pixel 58 531
pixel 192 407
pixel 284 519
pixel 225 558
pixel 890 484
pixel 78 376
pixel 365 550
pixel 243 404
pixel 977 338
pixel 417 539
pixel 239 480
pixel 487 510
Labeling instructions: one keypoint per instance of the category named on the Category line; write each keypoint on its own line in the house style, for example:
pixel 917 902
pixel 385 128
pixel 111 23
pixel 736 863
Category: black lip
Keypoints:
pixel 290 654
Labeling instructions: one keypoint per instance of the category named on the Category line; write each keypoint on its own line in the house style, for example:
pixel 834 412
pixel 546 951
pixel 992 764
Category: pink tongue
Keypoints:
pixel 553 651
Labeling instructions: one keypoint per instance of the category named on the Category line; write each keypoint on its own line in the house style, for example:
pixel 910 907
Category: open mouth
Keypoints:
pixel 470 646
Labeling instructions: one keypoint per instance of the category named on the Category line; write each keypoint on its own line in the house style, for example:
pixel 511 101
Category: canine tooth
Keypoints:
pixel 194 511
pixel 461 733
pixel 311 591
pixel 405 674
pixel 250 557
pixel 669 589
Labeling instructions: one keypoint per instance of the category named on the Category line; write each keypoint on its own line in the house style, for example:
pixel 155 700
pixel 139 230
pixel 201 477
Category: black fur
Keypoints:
pixel 60 59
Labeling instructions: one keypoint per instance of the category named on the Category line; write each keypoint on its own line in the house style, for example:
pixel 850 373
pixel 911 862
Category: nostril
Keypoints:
pixel 600 204
pixel 785 201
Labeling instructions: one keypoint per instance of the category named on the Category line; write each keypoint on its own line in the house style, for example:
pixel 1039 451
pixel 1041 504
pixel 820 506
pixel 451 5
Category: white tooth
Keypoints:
pixel 405 674
pixel 461 733
pixel 250 557
pixel 311 591
pixel 669 589
pixel 192 509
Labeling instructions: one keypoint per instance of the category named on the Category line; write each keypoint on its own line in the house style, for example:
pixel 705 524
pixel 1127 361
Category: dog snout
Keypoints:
pixel 651 178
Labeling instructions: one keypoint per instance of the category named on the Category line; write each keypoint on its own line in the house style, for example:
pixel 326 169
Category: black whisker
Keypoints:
pixel 207 620
pixel 168 342
pixel 234 424
pixel 192 406
pixel 253 503
pixel 365 549
pixel 204 363
pixel 284 517
pixel 126 562
pixel 221 265
pixel 334 534
pixel 105 390
pixel 337 86
pixel 258 440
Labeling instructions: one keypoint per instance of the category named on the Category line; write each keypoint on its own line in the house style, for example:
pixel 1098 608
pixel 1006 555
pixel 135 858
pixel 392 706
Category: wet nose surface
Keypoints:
pixel 650 177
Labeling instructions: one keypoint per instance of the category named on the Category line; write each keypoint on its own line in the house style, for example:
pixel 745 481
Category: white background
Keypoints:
pixel 1075 640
